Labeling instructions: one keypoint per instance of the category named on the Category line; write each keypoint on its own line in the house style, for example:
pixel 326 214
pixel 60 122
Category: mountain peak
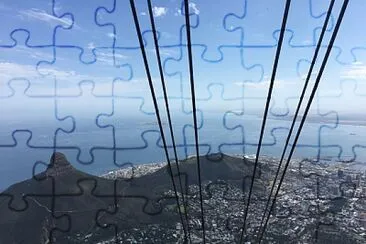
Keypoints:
pixel 59 165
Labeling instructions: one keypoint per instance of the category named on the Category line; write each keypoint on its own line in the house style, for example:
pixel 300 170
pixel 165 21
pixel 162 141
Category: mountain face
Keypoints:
pixel 63 201
pixel 36 208
pixel 65 205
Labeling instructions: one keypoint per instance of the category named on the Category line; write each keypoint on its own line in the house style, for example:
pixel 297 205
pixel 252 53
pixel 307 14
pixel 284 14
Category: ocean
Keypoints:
pixel 97 150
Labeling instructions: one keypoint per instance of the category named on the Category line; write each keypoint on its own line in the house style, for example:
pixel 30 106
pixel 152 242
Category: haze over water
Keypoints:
pixel 18 160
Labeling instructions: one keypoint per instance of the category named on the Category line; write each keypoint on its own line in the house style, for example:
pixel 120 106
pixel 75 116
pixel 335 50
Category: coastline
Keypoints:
pixel 134 171
pixel 312 192
pixel 335 188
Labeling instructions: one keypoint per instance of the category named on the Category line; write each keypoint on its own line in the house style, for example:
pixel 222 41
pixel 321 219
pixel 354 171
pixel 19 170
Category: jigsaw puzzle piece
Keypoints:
pixel 85 110
pixel 163 12
pixel 268 21
pixel 36 111
pixel 19 155
pixel 220 33
pixel 129 124
pixel 155 209
pixel 89 194
pixel 117 20
pixel 85 22
pixel 151 145
pixel 305 21
pixel 171 35
pixel 175 81
pixel 316 188
pixel 68 69
pixel 338 72
pixel 136 85
pixel 37 214
pixel 212 132
pixel 60 196
pixel 245 128
pixel 224 71
pixel 323 195
pixel 289 79
pixel 346 127
pixel 341 86
pixel 182 122
pixel 357 70
pixel 311 202
pixel 121 225
pixel 246 124
pixel 334 73
pixel 266 16
pixel 104 161
pixel 325 214
pixel 37 19
pixel 36 206
pixel 214 203
pixel 310 141
pixel 19 61
pixel 349 37
pixel 136 88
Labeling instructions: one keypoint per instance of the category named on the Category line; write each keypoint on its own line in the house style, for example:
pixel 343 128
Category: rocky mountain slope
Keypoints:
pixel 65 205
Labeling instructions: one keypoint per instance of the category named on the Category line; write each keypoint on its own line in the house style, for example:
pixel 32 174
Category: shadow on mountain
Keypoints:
pixel 65 205
pixel 63 200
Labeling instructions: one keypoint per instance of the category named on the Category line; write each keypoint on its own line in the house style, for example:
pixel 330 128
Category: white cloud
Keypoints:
pixel 10 71
pixel 143 13
pixel 91 45
pixel 259 85
pixel 111 35
pixel 265 84
pixel 357 63
pixel 159 11
pixel 30 52
pixel 107 58
pixel 193 8
pixel 18 75
pixel 307 42
pixel 42 15
pixel 166 35
pixel 357 71
pixel 164 52
pixel 178 12
pixel 168 52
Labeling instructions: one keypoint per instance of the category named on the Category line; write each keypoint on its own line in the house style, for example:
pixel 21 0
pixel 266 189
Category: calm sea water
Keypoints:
pixel 92 149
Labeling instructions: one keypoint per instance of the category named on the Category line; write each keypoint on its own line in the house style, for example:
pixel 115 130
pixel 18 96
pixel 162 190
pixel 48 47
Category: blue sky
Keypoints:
pixel 95 43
